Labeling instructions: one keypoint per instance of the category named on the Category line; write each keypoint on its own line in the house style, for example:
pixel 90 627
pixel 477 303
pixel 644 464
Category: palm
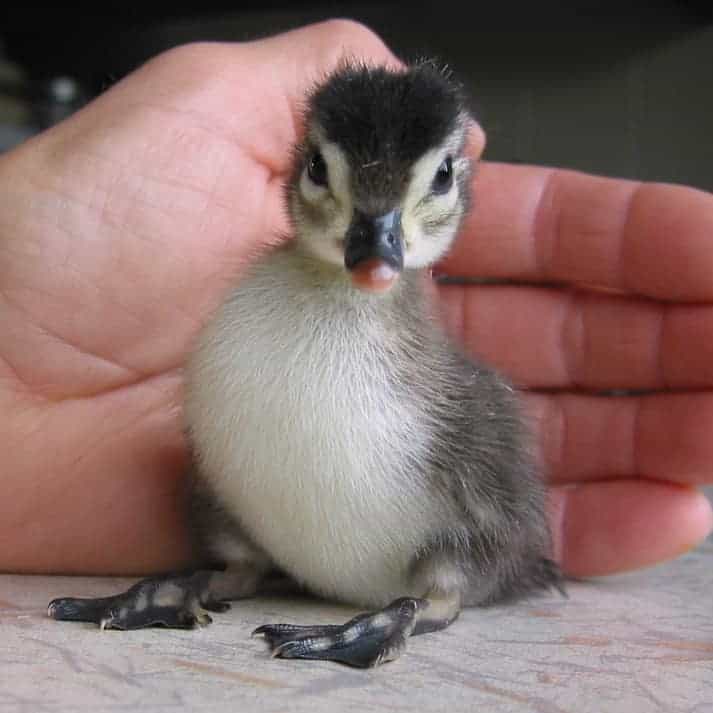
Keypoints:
pixel 138 211
pixel 163 193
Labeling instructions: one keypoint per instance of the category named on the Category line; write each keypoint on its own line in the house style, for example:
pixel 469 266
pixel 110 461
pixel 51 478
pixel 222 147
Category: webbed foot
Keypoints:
pixel 176 601
pixel 366 640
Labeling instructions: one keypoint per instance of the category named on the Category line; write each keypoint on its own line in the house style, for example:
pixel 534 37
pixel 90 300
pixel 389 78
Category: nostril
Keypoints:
pixel 391 239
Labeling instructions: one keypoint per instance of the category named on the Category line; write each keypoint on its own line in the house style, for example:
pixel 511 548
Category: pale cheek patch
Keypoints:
pixel 313 194
pixel 430 220
pixel 323 213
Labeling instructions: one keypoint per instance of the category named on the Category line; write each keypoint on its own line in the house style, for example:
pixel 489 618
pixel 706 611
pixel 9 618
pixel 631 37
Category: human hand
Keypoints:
pixel 119 232
pixel 606 285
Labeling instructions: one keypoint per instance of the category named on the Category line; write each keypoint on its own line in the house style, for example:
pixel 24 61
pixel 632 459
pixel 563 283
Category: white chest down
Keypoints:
pixel 303 439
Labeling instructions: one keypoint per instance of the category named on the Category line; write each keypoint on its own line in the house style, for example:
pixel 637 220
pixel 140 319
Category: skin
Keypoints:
pixel 121 228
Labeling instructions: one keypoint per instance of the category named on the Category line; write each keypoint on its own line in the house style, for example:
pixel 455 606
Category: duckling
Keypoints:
pixel 339 436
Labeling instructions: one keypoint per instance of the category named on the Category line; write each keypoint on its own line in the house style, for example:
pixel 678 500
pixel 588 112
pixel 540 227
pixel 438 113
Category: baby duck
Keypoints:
pixel 339 437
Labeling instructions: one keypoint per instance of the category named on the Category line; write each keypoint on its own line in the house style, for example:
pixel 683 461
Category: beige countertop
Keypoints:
pixel 641 642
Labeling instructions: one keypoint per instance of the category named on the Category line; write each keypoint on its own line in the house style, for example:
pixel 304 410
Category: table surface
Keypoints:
pixel 636 642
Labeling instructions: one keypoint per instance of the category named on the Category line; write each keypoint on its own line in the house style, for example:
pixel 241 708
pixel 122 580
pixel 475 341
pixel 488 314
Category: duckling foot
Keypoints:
pixel 177 601
pixel 366 640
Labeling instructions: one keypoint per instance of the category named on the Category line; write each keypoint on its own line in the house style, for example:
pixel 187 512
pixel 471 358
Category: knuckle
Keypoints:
pixel 193 55
pixel 349 38
pixel 346 29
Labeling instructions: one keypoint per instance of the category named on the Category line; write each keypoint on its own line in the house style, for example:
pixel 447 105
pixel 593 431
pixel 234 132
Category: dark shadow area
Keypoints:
pixel 621 88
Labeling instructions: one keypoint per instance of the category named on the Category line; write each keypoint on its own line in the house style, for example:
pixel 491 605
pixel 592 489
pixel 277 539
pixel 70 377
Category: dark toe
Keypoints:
pixel 171 601
pixel 170 617
pixel 278 634
pixel 366 640
pixel 73 609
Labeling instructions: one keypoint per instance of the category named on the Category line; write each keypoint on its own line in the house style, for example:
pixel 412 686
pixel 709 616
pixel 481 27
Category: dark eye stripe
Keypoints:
pixel 317 169
pixel 443 180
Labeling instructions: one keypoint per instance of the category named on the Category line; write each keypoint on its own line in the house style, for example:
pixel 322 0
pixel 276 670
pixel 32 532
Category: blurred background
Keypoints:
pixel 620 88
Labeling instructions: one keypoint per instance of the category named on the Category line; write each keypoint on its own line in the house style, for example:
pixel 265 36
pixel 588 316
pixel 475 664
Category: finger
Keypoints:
pixel 659 436
pixel 564 339
pixel 541 224
pixel 607 527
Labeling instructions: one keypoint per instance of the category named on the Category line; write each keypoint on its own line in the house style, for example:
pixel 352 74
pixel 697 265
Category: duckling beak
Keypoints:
pixel 379 238
pixel 373 250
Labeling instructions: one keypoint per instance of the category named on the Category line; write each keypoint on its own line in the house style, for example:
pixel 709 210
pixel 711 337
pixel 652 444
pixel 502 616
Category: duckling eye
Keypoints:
pixel 443 180
pixel 317 169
